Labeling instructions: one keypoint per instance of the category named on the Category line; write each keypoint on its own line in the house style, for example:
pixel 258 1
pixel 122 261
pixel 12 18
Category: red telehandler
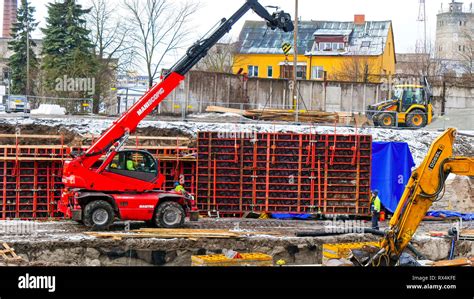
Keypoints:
pixel 107 183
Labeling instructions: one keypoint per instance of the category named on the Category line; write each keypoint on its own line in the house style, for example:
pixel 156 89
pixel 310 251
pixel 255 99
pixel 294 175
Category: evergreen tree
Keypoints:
pixel 21 32
pixel 67 48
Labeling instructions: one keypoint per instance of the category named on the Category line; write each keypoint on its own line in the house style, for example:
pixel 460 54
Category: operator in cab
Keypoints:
pixel 130 164
pixel 375 207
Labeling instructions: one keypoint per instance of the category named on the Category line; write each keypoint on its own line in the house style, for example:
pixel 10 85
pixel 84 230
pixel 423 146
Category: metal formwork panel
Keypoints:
pixel 30 186
pixel 284 172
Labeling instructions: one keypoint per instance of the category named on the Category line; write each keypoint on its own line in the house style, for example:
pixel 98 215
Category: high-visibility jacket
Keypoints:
pixel 179 189
pixel 130 165
pixel 376 204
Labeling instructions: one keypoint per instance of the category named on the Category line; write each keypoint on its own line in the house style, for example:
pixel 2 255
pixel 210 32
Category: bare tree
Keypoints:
pixel 419 63
pixel 221 58
pixel 111 37
pixel 161 28
pixel 356 69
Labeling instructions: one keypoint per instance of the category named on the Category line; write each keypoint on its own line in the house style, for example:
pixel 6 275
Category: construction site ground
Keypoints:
pixel 61 243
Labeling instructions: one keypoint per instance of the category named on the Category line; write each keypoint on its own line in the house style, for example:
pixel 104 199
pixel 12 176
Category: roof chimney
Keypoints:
pixel 359 19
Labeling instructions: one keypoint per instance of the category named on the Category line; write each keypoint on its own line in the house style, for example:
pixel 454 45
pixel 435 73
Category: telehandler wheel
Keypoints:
pixel 386 120
pixel 170 214
pixel 416 119
pixel 98 214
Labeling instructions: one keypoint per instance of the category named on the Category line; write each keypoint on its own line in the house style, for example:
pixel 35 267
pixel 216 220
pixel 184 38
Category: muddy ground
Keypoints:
pixel 63 243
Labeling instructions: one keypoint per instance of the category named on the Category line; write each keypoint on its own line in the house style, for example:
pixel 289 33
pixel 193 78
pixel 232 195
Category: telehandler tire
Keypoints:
pixel 98 215
pixel 170 214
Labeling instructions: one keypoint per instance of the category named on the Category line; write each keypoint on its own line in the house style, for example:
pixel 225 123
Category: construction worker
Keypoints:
pixel 179 188
pixel 375 209
pixel 130 164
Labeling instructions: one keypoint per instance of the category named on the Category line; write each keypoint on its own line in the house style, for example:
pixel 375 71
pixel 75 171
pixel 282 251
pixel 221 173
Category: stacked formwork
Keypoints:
pixel 30 180
pixel 275 172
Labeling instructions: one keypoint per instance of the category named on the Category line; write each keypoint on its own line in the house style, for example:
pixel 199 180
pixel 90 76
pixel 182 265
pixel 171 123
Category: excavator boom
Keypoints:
pixel 425 186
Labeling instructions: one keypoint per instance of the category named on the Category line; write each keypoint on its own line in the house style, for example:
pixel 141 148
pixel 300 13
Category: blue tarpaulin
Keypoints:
pixel 392 164
pixel 448 214
pixel 291 216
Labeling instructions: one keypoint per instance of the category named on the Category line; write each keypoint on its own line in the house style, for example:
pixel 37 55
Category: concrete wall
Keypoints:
pixel 202 89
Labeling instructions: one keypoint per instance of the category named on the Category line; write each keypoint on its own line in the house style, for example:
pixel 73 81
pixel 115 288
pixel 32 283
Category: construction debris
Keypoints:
pixel 279 114
pixel 307 116
pixel 8 255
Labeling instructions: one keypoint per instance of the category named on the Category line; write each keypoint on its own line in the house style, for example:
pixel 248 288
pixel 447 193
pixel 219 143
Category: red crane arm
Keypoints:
pixel 129 121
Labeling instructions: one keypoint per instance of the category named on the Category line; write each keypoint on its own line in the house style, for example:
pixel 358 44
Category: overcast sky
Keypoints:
pixel 403 13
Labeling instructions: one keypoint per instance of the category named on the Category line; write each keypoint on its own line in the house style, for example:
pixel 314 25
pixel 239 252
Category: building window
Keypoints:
pixel 337 46
pixel 325 46
pixel 301 72
pixel 270 72
pixel 286 72
pixel 253 71
pixel 365 43
pixel 317 73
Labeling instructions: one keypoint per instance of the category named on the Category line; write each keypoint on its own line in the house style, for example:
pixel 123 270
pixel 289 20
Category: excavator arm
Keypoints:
pixel 425 186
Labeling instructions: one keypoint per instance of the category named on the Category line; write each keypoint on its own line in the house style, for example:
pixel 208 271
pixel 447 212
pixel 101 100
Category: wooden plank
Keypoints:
pixel 219 109
pixel 31 159
pixel 34 146
pixel 31 136
pixel 9 251
pixel 453 263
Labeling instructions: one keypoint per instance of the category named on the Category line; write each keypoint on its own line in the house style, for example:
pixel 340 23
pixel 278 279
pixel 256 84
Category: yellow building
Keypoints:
pixel 337 51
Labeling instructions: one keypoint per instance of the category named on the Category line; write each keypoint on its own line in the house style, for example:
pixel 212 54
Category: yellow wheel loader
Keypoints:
pixel 410 106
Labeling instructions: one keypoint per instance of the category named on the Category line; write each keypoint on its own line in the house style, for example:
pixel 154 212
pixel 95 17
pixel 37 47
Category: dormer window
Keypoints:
pixel 325 46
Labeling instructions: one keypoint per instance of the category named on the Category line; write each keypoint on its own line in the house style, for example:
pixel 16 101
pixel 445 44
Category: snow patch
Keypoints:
pixel 47 109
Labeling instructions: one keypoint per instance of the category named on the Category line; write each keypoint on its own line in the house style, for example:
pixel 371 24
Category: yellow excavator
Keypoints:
pixel 425 186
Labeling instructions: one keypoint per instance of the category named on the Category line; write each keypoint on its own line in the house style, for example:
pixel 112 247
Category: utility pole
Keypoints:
pixel 27 51
pixel 422 18
pixel 295 64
